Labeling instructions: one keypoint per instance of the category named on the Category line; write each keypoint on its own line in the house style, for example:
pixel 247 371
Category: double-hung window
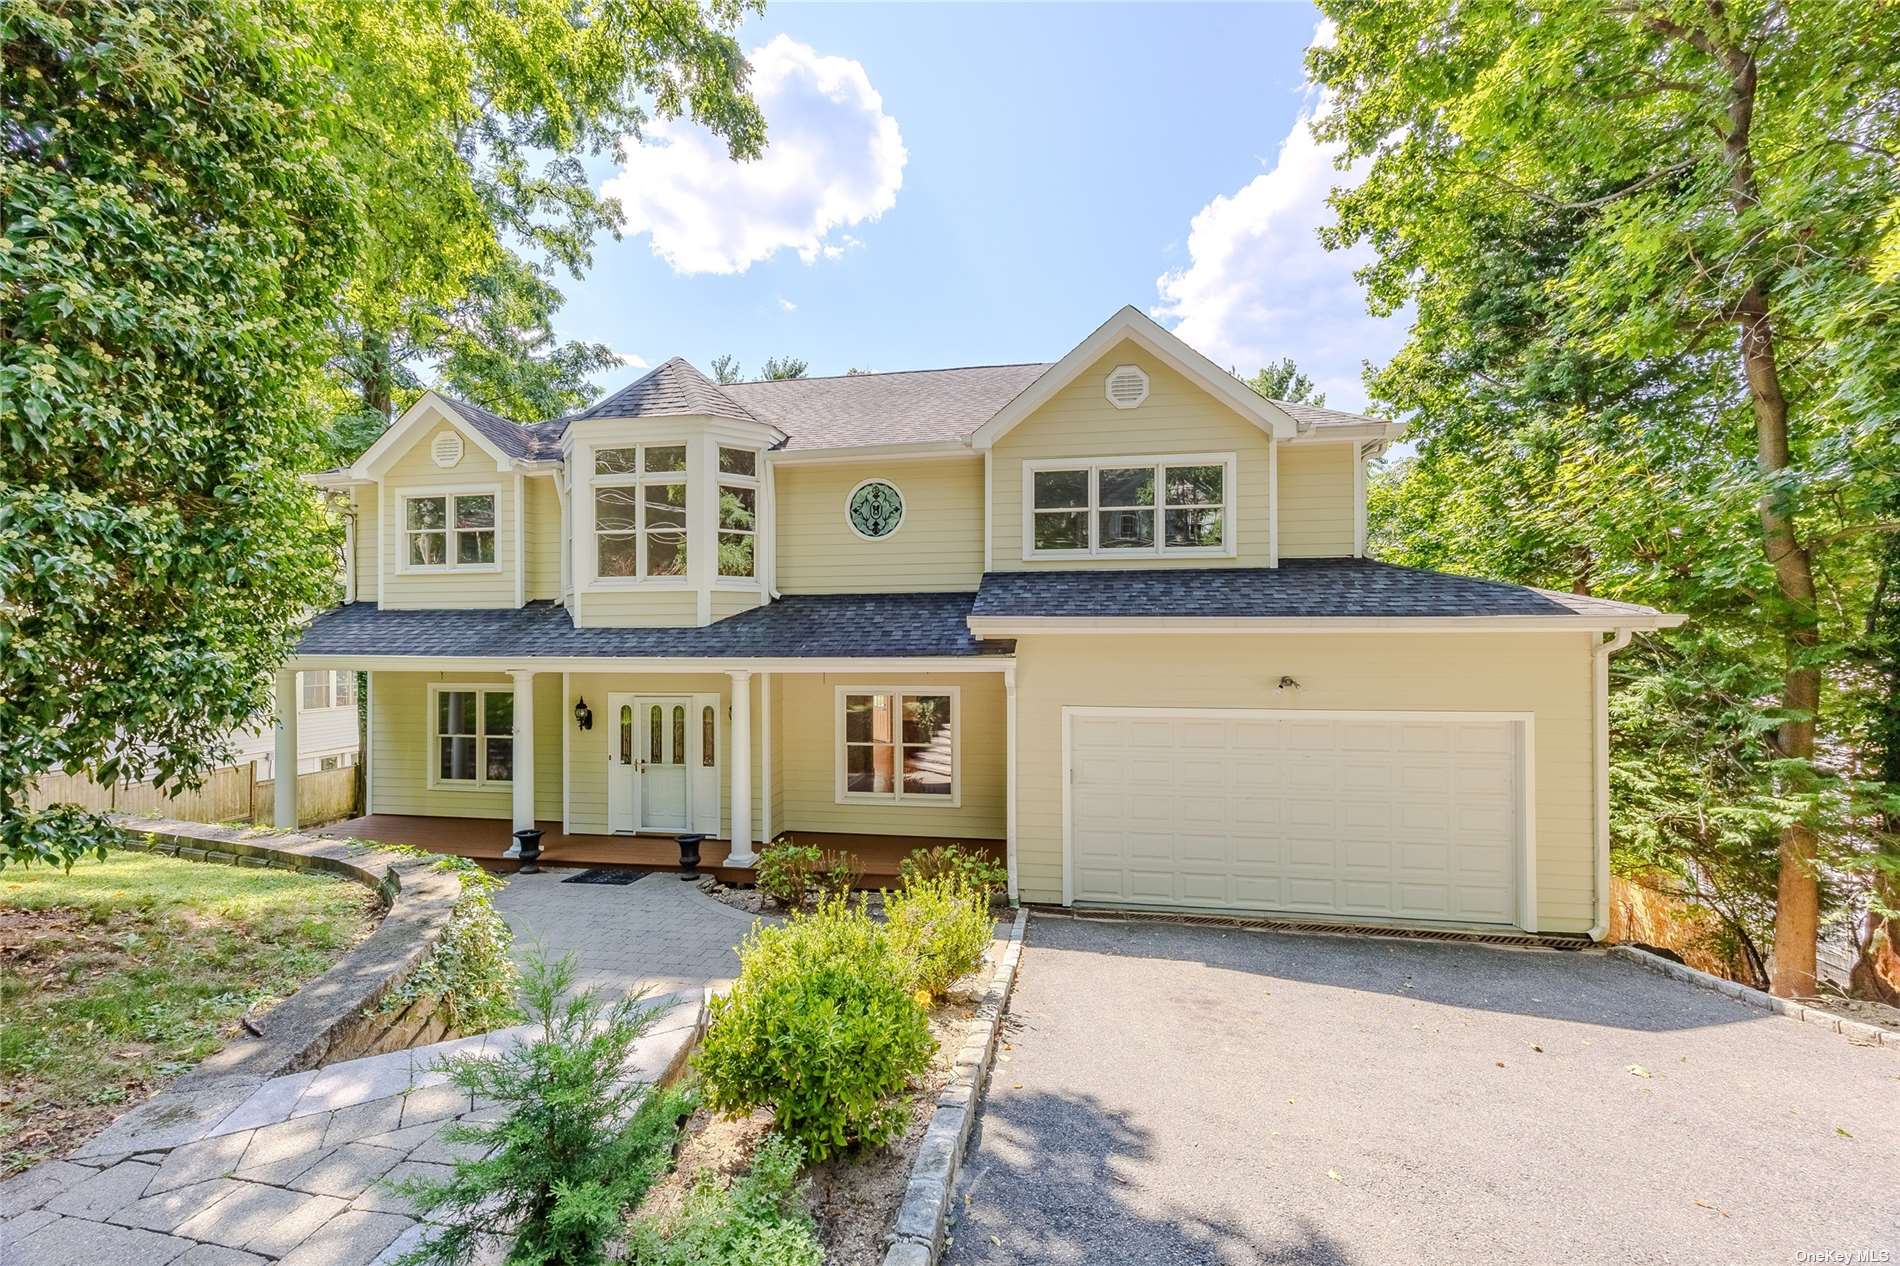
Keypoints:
pixel 640 512
pixel 344 695
pixel 898 745
pixel 472 733
pixel 316 691
pixel 449 530
pixel 1169 506
pixel 738 513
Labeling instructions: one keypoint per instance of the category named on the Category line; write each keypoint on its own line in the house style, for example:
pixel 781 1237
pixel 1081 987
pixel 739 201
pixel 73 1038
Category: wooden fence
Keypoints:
pixel 232 794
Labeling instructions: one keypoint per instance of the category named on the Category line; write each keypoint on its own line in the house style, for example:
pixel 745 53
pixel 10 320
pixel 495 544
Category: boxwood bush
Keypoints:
pixel 940 928
pixel 821 1028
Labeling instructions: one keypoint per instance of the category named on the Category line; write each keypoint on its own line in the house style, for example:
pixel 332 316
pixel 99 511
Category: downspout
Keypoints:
pixel 1600 717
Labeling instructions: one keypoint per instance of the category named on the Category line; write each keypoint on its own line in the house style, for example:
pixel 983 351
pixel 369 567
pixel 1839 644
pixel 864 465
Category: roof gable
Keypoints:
pixel 674 389
pixel 1133 326
pixel 476 424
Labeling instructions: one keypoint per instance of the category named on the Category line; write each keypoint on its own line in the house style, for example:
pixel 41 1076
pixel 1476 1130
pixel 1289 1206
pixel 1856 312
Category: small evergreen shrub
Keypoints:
pixel 953 861
pixel 838 875
pixel 760 1220
pixel 821 1028
pixel 579 1143
pixel 785 872
pixel 940 928
pixel 471 970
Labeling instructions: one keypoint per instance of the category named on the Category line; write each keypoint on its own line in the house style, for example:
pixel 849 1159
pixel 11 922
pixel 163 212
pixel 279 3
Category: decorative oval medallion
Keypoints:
pixel 875 508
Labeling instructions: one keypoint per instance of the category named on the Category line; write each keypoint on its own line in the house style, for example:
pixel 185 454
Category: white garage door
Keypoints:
pixel 1339 814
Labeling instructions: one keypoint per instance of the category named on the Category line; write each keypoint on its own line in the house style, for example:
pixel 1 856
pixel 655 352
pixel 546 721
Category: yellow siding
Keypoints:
pixel 1317 511
pixel 637 608
pixel 544 538
pixel 939 545
pixel 1177 417
pixel 809 746
pixel 1545 674
pixel 364 502
pixel 727 602
pixel 400 757
pixel 775 760
pixel 461 587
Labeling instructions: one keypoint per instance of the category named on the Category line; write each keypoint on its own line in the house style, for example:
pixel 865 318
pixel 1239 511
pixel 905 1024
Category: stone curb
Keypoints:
pixel 917 1233
pixel 298 1032
pixel 1862 1034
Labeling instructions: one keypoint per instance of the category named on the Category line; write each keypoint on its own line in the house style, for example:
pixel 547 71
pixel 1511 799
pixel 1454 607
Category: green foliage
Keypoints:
pixel 760 1220
pixel 1283 380
pixel 952 861
pixel 173 229
pixel 472 969
pixel 777 368
pixel 725 369
pixel 795 875
pixel 1629 236
pixel 821 1029
pixel 578 1144
pixel 940 928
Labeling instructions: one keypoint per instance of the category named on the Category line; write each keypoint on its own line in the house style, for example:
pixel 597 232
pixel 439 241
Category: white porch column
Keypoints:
pixel 284 759
pixel 1009 766
pixel 741 854
pixel 524 747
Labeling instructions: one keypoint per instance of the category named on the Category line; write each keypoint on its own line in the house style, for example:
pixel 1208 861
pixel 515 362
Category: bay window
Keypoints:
pixel 738 513
pixel 640 506
pixel 1129 505
pixel 472 735
pixel 897 745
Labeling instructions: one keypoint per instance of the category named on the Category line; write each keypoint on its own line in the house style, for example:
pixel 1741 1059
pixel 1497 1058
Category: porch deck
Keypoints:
pixel 486 840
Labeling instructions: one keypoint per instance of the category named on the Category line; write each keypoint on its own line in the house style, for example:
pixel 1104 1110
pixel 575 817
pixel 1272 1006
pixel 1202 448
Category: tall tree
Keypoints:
pixel 725 369
pixel 1283 380
pixel 1714 177
pixel 778 368
pixel 473 121
pixel 174 230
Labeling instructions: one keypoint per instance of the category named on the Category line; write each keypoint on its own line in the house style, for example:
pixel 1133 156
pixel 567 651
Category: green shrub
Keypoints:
pixel 471 970
pixel 821 1028
pixel 785 873
pixel 578 1144
pixel 940 928
pixel 758 1221
pixel 838 875
pixel 953 861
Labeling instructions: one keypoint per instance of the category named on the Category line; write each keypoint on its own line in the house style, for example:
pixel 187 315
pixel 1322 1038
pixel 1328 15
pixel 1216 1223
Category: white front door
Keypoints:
pixel 651 751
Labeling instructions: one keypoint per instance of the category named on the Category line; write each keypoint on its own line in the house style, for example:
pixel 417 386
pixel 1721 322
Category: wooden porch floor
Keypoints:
pixel 486 840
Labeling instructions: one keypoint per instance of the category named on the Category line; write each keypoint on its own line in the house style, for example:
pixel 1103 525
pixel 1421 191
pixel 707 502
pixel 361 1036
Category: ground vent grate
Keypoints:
pixel 1518 939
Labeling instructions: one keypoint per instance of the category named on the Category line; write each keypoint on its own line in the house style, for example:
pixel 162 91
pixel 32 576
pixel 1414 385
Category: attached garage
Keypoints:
pixel 1410 816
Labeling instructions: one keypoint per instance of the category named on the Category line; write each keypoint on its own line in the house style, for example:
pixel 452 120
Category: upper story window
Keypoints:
pixel 640 502
pixel 1105 507
pixel 738 513
pixel 448 530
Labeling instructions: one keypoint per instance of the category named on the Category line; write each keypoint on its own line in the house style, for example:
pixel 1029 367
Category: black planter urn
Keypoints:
pixel 689 855
pixel 528 842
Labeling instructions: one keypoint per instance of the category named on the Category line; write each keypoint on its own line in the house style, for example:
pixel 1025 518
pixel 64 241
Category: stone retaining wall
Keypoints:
pixel 334 1016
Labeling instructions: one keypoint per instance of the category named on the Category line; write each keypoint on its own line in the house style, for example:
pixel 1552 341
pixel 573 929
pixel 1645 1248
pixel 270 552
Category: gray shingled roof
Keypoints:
pixel 803 626
pixel 1299 587
pixel 1317 415
pixel 670 390
pixel 511 437
pixel 919 406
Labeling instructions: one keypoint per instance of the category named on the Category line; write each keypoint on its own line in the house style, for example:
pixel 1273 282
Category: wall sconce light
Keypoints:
pixel 583 715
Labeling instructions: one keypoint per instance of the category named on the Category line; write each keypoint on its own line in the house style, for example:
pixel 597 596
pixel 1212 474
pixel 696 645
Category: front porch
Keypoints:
pixel 487 841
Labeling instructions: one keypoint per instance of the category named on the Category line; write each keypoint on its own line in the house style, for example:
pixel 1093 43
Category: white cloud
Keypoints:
pixel 631 360
pixel 786 305
pixel 1258 285
pixel 832 158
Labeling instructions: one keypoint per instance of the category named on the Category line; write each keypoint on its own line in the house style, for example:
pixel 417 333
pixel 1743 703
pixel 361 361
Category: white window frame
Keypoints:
pixel 304 681
pixel 338 676
pixel 756 483
pixel 637 480
pixel 896 795
pixel 1230 520
pixel 481 781
pixel 405 495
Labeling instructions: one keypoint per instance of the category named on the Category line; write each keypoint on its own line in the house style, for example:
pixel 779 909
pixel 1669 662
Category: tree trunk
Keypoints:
pixel 377 385
pixel 1798 896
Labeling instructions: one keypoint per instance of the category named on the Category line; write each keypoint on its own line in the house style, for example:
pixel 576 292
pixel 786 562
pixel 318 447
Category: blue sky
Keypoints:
pixel 964 184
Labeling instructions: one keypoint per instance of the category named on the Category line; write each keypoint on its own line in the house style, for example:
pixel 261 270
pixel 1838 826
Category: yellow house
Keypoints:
pixel 1111 615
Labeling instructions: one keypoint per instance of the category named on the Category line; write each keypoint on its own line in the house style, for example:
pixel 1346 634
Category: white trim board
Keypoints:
pixel 989 626
pixel 1526 886
pixel 630 664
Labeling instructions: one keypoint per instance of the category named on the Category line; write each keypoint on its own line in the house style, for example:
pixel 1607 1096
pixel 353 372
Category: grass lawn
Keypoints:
pixel 122 974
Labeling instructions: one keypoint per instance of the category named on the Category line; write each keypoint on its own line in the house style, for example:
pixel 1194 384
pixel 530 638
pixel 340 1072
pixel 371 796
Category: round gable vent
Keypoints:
pixel 1127 386
pixel 446 449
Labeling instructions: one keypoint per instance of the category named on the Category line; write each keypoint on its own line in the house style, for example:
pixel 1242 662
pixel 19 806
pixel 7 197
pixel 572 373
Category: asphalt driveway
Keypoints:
pixel 1180 1094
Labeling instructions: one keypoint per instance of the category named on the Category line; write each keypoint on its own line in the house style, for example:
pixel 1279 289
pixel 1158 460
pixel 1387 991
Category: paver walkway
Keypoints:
pixel 657 932
pixel 296 1172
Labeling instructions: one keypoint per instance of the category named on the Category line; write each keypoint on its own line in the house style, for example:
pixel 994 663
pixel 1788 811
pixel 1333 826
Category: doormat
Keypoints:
pixel 619 877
